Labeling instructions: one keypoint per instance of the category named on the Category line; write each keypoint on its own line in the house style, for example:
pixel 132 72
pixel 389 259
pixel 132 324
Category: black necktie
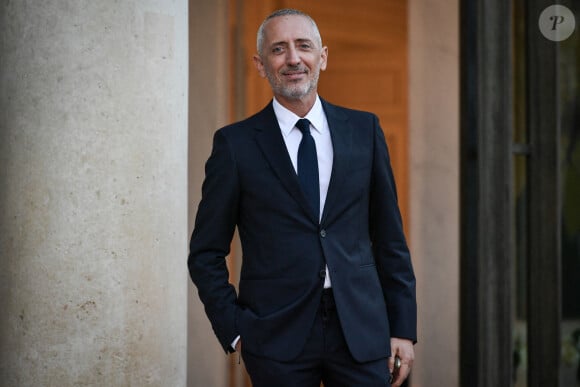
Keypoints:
pixel 308 166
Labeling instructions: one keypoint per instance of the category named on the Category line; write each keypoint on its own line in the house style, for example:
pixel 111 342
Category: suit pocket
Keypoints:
pixel 251 337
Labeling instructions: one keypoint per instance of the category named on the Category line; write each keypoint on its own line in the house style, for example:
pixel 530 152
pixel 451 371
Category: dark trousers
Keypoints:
pixel 325 359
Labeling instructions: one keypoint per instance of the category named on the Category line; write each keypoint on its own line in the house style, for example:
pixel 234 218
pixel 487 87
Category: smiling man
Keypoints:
pixel 291 56
pixel 327 290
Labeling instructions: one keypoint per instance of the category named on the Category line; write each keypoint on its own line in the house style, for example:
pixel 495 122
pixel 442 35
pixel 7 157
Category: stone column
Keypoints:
pixel 93 192
pixel 434 187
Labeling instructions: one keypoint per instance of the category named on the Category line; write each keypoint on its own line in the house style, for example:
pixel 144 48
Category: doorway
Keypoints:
pixel 367 70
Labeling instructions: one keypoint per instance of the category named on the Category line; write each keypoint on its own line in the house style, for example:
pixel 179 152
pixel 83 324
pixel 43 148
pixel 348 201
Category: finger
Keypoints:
pixel 400 375
pixel 391 364
pixel 407 357
pixel 408 361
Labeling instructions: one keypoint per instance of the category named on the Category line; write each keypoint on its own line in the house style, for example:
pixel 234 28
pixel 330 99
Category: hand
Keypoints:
pixel 402 348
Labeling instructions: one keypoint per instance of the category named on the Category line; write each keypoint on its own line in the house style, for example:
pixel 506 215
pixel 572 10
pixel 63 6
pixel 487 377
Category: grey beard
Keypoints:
pixel 295 92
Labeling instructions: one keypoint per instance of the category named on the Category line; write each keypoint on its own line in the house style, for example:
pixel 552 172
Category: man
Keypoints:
pixel 327 290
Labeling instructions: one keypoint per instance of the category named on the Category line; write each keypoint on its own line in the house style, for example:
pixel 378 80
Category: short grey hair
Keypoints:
pixel 285 12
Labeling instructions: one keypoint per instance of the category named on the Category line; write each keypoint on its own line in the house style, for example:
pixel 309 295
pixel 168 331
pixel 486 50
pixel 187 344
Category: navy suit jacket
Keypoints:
pixel 250 183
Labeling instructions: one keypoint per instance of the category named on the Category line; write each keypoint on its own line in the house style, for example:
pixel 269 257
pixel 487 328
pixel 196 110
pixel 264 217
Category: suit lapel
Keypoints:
pixel 341 134
pixel 271 143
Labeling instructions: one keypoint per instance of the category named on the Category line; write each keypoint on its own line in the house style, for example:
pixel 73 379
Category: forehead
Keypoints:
pixel 289 28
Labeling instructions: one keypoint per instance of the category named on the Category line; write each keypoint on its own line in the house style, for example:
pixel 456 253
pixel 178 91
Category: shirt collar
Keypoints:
pixel 287 119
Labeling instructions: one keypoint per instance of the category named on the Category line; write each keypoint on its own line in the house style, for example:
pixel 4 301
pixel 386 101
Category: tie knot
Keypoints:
pixel 304 125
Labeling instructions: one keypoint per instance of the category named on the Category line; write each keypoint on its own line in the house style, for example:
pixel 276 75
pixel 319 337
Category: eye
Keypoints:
pixel 277 50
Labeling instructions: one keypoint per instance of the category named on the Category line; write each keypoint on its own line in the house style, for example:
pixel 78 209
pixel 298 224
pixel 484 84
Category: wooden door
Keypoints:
pixel 367 68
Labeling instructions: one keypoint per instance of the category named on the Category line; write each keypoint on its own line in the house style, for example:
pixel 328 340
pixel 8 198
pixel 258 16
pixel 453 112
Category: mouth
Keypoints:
pixel 294 75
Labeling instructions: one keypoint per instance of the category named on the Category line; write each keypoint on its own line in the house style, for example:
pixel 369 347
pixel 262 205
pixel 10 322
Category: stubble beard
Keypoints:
pixel 292 90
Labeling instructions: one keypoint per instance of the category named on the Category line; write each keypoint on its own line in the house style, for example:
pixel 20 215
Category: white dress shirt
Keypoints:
pixel 324 151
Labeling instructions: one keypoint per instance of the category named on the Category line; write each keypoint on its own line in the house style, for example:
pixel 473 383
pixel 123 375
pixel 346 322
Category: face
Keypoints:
pixel 291 57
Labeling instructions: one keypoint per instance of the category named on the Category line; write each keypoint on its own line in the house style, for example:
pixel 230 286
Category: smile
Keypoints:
pixel 294 74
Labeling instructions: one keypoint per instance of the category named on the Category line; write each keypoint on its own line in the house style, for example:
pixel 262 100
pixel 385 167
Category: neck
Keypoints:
pixel 299 106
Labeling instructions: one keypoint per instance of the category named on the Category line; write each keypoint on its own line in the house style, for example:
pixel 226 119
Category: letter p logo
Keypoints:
pixel 557 23
pixel 557 20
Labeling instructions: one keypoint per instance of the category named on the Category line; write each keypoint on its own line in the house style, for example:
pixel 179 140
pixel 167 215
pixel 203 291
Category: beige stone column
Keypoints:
pixel 93 193
pixel 434 186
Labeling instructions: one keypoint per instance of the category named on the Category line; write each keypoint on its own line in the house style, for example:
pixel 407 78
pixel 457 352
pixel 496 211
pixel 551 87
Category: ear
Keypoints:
pixel 259 65
pixel 323 58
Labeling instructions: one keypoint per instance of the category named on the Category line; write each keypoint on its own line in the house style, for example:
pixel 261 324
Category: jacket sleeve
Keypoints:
pixel 389 245
pixel 210 242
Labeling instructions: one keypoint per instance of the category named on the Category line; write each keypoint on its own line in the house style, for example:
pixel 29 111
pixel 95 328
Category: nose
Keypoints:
pixel 292 56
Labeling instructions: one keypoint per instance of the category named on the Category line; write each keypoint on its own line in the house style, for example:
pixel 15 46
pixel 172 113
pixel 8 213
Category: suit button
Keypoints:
pixel 322 274
pixel 323 233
